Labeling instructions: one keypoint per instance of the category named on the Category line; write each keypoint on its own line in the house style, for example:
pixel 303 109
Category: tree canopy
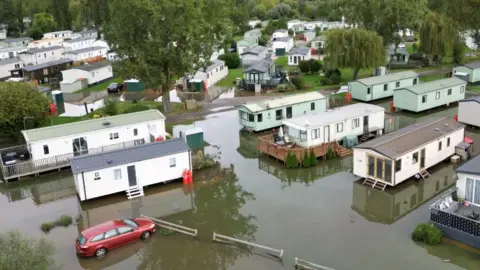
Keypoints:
pixel 26 107
pixel 438 35
pixel 162 40
pixel 42 23
pixel 354 48
pixel 22 253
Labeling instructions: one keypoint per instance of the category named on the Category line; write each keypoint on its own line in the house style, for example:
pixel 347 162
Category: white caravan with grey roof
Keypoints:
pixel 298 54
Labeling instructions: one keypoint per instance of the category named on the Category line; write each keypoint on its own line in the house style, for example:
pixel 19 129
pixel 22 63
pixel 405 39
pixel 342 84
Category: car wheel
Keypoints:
pixel 145 235
pixel 101 252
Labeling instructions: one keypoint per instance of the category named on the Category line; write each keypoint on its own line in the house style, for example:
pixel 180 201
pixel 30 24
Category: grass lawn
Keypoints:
pixel 473 88
pixel 102 86
pixel 432 77
pixel 229 81
pixel 282 61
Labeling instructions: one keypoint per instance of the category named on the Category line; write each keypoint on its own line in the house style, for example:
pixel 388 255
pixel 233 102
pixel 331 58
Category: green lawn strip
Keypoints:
pixel 281 61
pixel 473 88
pixel 433 77
pixel 229 80
pixel 102 86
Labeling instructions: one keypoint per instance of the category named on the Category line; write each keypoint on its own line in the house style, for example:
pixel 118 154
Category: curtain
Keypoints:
pixel 469 190
pixel 476 199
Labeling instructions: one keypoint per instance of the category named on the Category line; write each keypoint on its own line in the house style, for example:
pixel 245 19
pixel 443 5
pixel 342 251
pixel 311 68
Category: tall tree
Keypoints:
pixel 386 17
pixel 61 13
pixel 354 48
pixel 438 36
pixel 161 40
pixel 42 23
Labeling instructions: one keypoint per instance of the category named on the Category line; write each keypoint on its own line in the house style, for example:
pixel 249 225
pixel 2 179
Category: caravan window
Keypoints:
pixel 368 90
pixel 385 87
pixel 356 123
pixel 424 98
pixel 251 118
pixel 397 84
pixel 339 127
pixel 462 89
pixel 315 133
pixel 278 114
pixel 415 158
pixel 440 146
pixel 448 142
pixel 398 165
pixel 449 92
pixel 312 106
pixel 260 117
pixel 117 174
pixel 46 151
pixel 437 95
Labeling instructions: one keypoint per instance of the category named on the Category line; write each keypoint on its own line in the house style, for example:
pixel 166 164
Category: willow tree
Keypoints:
pixel 438 36
pixel 354 48
pixel 166 39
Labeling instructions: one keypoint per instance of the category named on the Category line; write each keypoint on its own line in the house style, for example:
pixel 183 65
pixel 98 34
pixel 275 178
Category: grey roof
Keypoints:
pixel 285 39
pixel 40 50
pixel 77 40
pixel 95 162
pixel 409 138
pixel 388 78
pixel 281 31
pixel 93 125
pixel 47 64
pixel 11 40
pixel 10 61
pixel 427 87
pixel 85 50
pixel 473 98
pixel 214 64
pixel 13 49
pixel 262 66
pixel 93 66
pixel 299 50
pixel 255 50
pixel 474 65
pixel 470 167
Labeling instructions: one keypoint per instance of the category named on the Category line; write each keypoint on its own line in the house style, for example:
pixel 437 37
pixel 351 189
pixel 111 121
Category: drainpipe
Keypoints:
pixel 84 188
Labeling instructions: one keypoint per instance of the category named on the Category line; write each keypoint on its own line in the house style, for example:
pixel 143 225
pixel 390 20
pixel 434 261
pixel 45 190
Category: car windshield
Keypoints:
pixel 130 223
pixel 81 239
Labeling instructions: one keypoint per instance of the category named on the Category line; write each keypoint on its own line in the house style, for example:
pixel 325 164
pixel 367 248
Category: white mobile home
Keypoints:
pixel 468 183
pixel 130 169
pixel 298 54
pixel 15 42
pixel 94 72
pixel 11 52
pixel 253 55
pixel 7 65
pixel 268 114
pixel 333 125
pixel 86 54
pixel 213 73
pixel 53 143
pixel 77 44
pixel 45 43
pixel 280 33
pixel 378 87
pixel 58 34
pixel 38 56
pixel 410 151
pixel 468 111
pixel 282 45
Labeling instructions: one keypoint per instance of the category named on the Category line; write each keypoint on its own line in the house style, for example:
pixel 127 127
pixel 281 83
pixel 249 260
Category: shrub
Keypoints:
pixel 299 82
pixel 136 108
pixel 331 154
pixel 281 88
pixel 203 161
pixel 304 66
pixel 47 226
pixel 330 72
pixel 64 220
pixel 427 233
pixel 315 65
pixel 313 158
pixel 291 161
pixel 111 107
pixel 306 160
pixel 326 81
pixel 335 79
pixel 232 60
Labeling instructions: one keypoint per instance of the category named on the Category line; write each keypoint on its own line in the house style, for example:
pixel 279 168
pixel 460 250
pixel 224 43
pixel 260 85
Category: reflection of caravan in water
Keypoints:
pixel 159 202
pixel 392 204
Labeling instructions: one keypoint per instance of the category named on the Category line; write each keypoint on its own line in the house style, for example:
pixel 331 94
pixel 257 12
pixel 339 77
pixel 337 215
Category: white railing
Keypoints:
pixel 230 240
pixel 174 227
pixel 302 264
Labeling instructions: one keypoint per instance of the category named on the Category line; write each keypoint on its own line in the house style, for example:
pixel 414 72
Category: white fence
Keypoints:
pixel 230 240
pixel 174 227
pixel 302 264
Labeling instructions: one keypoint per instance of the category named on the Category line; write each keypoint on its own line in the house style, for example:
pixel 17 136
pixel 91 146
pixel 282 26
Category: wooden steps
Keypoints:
pixel 424 174
pixel 366 137
pixel 374 184
pixel 134 192
pixel 343 152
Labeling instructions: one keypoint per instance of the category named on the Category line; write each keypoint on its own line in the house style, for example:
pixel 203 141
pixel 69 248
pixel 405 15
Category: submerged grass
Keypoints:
pixel 63 221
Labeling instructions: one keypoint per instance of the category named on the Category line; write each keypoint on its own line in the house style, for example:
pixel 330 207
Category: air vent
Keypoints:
pixel 106 124
pixel 436 129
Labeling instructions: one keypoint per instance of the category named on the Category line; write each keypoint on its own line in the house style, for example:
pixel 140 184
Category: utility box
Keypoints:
pixel 193 137
pixel 57 98
pixel 133 86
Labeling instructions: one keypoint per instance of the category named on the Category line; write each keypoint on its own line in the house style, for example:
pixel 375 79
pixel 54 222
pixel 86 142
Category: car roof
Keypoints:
pixel 113 83
pixel 103 227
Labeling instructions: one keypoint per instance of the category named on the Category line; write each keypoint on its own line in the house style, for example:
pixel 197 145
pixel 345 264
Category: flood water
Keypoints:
pixel 321 214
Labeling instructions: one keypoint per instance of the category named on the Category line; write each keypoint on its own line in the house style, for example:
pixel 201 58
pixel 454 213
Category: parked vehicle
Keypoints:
pixel 98 240
pixel 114 88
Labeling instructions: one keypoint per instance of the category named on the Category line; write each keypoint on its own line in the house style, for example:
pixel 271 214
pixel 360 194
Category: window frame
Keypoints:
pixel 449 92
pixel 424 98
pixel 135 132
pixel 174 164
pixel 312 106
pixel 369 90
pixel 277 115
pixel 251 117
pixel 439 146
pixel 437 95
pixel 415 160
pixel 356 123
pixel 397 84
pixel 462 89
pixel 385 87
pixel 260 117
pixel 117 172
pixel 448 142
pixel 339 127
pixel 398 165
pixel 46 149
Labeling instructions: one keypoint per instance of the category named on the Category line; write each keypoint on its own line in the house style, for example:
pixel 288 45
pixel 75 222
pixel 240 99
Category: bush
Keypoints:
pixel 291 161
pixel 232 60
pixel 64 220
pixel 26 253
pixel 427 233
pixel 299 82
pixel 326 81
pixel 306 160
pixel 313 158
pixel 335 79
pixel 315 66
pixel 203 161
pixel 111 107
pixel 304 66
pixel 136 108
pixel 330 72
pixel 281 88
pixel 47 226
pixel 331 154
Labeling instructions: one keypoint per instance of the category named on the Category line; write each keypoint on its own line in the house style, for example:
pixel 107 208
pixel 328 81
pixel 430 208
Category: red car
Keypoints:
pixel 98 240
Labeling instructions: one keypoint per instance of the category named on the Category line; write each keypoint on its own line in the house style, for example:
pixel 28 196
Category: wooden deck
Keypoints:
pixel 267 146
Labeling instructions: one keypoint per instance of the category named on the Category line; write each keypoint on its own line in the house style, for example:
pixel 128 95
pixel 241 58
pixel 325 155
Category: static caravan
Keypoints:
pixel 213 73
pixel 270 113
pixel 94 72
pixel 468 183
pixel 378 87
pixel 424 96
pixel 333 125
pixel 8 65
pixel 87 54
pixel 409 151
pixel 470 71
pixel 130 169
pixel 61 142
pixel 468 111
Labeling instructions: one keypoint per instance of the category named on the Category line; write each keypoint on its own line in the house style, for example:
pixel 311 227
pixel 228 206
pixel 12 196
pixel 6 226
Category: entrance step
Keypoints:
pixel 374 184
pixel 135 192
pixel 424 174
pixel 342 152
pixel 366 137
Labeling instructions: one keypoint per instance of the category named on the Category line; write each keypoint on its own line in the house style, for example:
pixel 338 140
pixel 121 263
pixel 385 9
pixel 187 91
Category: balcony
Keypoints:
pixel 16 168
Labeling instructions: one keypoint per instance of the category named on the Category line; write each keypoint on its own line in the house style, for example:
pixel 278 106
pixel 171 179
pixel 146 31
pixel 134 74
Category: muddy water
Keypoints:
pixel 322 214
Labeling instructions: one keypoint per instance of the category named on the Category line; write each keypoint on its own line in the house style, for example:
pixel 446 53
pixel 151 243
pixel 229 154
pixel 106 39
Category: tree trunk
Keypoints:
pixel 355 73
pixel 166 97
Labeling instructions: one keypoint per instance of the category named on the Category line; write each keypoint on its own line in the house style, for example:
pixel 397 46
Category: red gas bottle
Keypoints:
pixel 185 177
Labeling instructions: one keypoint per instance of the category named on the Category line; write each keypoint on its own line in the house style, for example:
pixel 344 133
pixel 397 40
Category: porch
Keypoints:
pixel 267 145
pixel 20 167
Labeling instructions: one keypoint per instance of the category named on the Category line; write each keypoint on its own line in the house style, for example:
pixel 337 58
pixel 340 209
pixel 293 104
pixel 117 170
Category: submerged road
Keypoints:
pixel 224 105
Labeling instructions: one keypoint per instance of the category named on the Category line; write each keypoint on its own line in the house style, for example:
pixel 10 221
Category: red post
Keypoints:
pixel 455 117
pixel 348 97
pixel 392 108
